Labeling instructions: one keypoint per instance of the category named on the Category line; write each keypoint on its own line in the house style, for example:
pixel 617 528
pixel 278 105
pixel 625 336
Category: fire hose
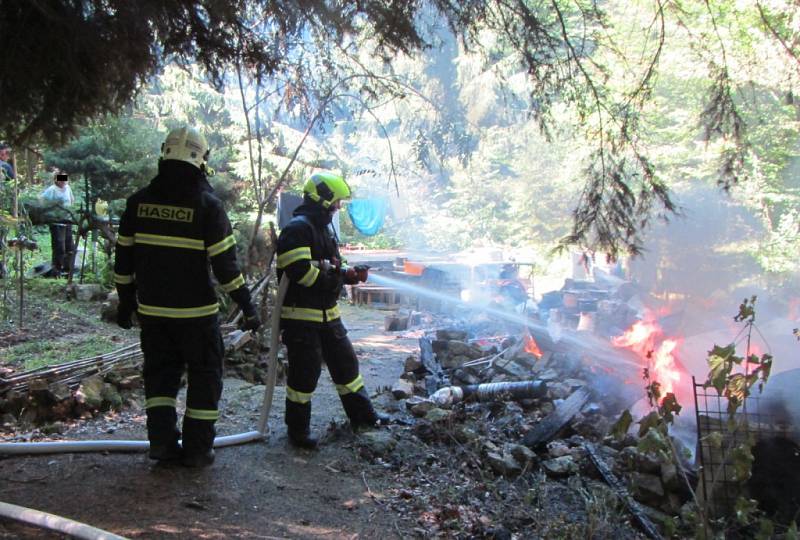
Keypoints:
pixel 481 392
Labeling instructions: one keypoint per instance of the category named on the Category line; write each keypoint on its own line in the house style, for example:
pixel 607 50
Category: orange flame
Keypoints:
pixel 531 346
pixel 647 340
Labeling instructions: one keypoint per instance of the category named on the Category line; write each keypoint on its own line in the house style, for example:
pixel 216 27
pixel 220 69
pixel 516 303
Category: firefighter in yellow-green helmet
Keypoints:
pixel 312 329
pixel 172 235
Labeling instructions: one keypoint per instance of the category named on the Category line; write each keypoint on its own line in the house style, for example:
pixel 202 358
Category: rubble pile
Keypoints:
pixel 49 404
pixel 551 418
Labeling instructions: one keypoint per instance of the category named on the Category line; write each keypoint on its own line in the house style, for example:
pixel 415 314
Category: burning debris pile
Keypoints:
pixel 523 406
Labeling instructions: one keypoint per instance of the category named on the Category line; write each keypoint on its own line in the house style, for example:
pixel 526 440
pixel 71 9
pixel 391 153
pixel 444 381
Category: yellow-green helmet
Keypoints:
pixel 186 144
pixel 326 188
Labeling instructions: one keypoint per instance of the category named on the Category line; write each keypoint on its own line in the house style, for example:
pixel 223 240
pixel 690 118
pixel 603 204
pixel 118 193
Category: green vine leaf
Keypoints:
pixel 747 311
pixel 720 366
pixel 742 462
pixel 670 407
pixel 745 509
pixel 621 426
pixel 652 420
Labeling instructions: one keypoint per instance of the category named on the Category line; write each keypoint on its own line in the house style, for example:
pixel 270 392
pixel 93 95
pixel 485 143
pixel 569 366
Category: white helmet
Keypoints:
pixel 186 144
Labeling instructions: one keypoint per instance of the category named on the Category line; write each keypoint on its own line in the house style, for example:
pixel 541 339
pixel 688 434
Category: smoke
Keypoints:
pixel 700 267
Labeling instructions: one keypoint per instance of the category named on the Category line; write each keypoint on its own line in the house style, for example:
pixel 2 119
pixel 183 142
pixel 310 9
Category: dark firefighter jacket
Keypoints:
pixel 169 232
pixel 313 291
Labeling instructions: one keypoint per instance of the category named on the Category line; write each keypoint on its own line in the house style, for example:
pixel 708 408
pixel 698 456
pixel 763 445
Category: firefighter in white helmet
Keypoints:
pixel 169 233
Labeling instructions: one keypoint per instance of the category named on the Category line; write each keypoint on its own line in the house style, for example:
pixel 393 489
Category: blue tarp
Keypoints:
pixel 367 215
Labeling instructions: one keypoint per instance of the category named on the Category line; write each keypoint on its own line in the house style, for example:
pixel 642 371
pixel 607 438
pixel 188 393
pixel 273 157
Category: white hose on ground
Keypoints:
pixel 61 447
pixel 272 366
pixel 37 518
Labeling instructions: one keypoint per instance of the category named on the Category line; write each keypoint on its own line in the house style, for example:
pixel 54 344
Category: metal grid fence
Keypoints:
pixel 719 434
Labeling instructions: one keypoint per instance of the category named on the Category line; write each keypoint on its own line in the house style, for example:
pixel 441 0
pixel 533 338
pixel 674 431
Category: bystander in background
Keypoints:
pixel 60 194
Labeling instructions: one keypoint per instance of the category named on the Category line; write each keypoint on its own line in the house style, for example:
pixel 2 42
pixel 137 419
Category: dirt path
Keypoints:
pixel 258 490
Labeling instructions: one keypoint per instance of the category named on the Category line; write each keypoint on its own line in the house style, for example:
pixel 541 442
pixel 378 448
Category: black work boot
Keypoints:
pixel 360 411
pixel 165 453
pixel 163 434
pixel 198 459
pixel 298 422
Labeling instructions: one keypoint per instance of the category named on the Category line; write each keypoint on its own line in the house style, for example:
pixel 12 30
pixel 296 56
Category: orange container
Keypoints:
pixel 412 268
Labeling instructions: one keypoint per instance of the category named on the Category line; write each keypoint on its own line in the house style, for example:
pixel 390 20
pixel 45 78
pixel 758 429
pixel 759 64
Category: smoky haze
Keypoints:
pixel 696 273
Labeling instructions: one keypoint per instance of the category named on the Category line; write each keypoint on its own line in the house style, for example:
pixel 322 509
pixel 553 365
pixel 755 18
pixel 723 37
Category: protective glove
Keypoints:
pixel 350 276
pixel 356 274
pixel 251 323
pixel 250 320
pixel 125 315
pixel 363 272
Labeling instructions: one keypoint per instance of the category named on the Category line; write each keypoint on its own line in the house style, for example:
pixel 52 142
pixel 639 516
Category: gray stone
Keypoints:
pixel 523 454
pixel 645 487
pixel 559 390
pixel 419 406
pixel 59 391
pixel 111 396
pixel 464 434
pixel 557 449
pixel 546 408
pixel 377 443
pixel 549 375
pixel 412 364
pixel 503 464
pixel 86 292
pixel 635 460
pixel 55 427
pixel 402 389
pixel 90 392
pixel 454 361
pixel 437 415
pixel 560 467
pixel 574 384
pixel 669 476
pixel 591 409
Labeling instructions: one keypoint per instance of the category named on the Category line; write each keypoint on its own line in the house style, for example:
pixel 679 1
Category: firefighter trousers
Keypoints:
pixel 170 349
pixel 307 347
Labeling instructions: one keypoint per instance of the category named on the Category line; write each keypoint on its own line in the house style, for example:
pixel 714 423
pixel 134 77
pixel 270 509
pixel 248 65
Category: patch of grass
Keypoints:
pixel 35 354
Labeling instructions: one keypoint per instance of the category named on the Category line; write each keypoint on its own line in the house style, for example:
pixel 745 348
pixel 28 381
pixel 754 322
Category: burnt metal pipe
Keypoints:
pixel 490 391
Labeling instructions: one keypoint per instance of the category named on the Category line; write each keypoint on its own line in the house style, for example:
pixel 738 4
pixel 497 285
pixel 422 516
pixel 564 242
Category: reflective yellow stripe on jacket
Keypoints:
pixel 294 255
pixel 178 313
pixel 310 277
pixel 308 314
pixel 222 245
pixel 123 279
pixel 125 240
pixel 169 241
pixel 237 282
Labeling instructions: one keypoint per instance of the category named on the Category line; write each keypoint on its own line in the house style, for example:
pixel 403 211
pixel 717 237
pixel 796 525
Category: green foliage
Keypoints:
pixel 41 353
pixel 621 426
pixel 116 157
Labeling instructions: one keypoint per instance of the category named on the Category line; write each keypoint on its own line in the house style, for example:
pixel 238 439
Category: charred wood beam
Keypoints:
pixel 621 491
pixel 548 428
